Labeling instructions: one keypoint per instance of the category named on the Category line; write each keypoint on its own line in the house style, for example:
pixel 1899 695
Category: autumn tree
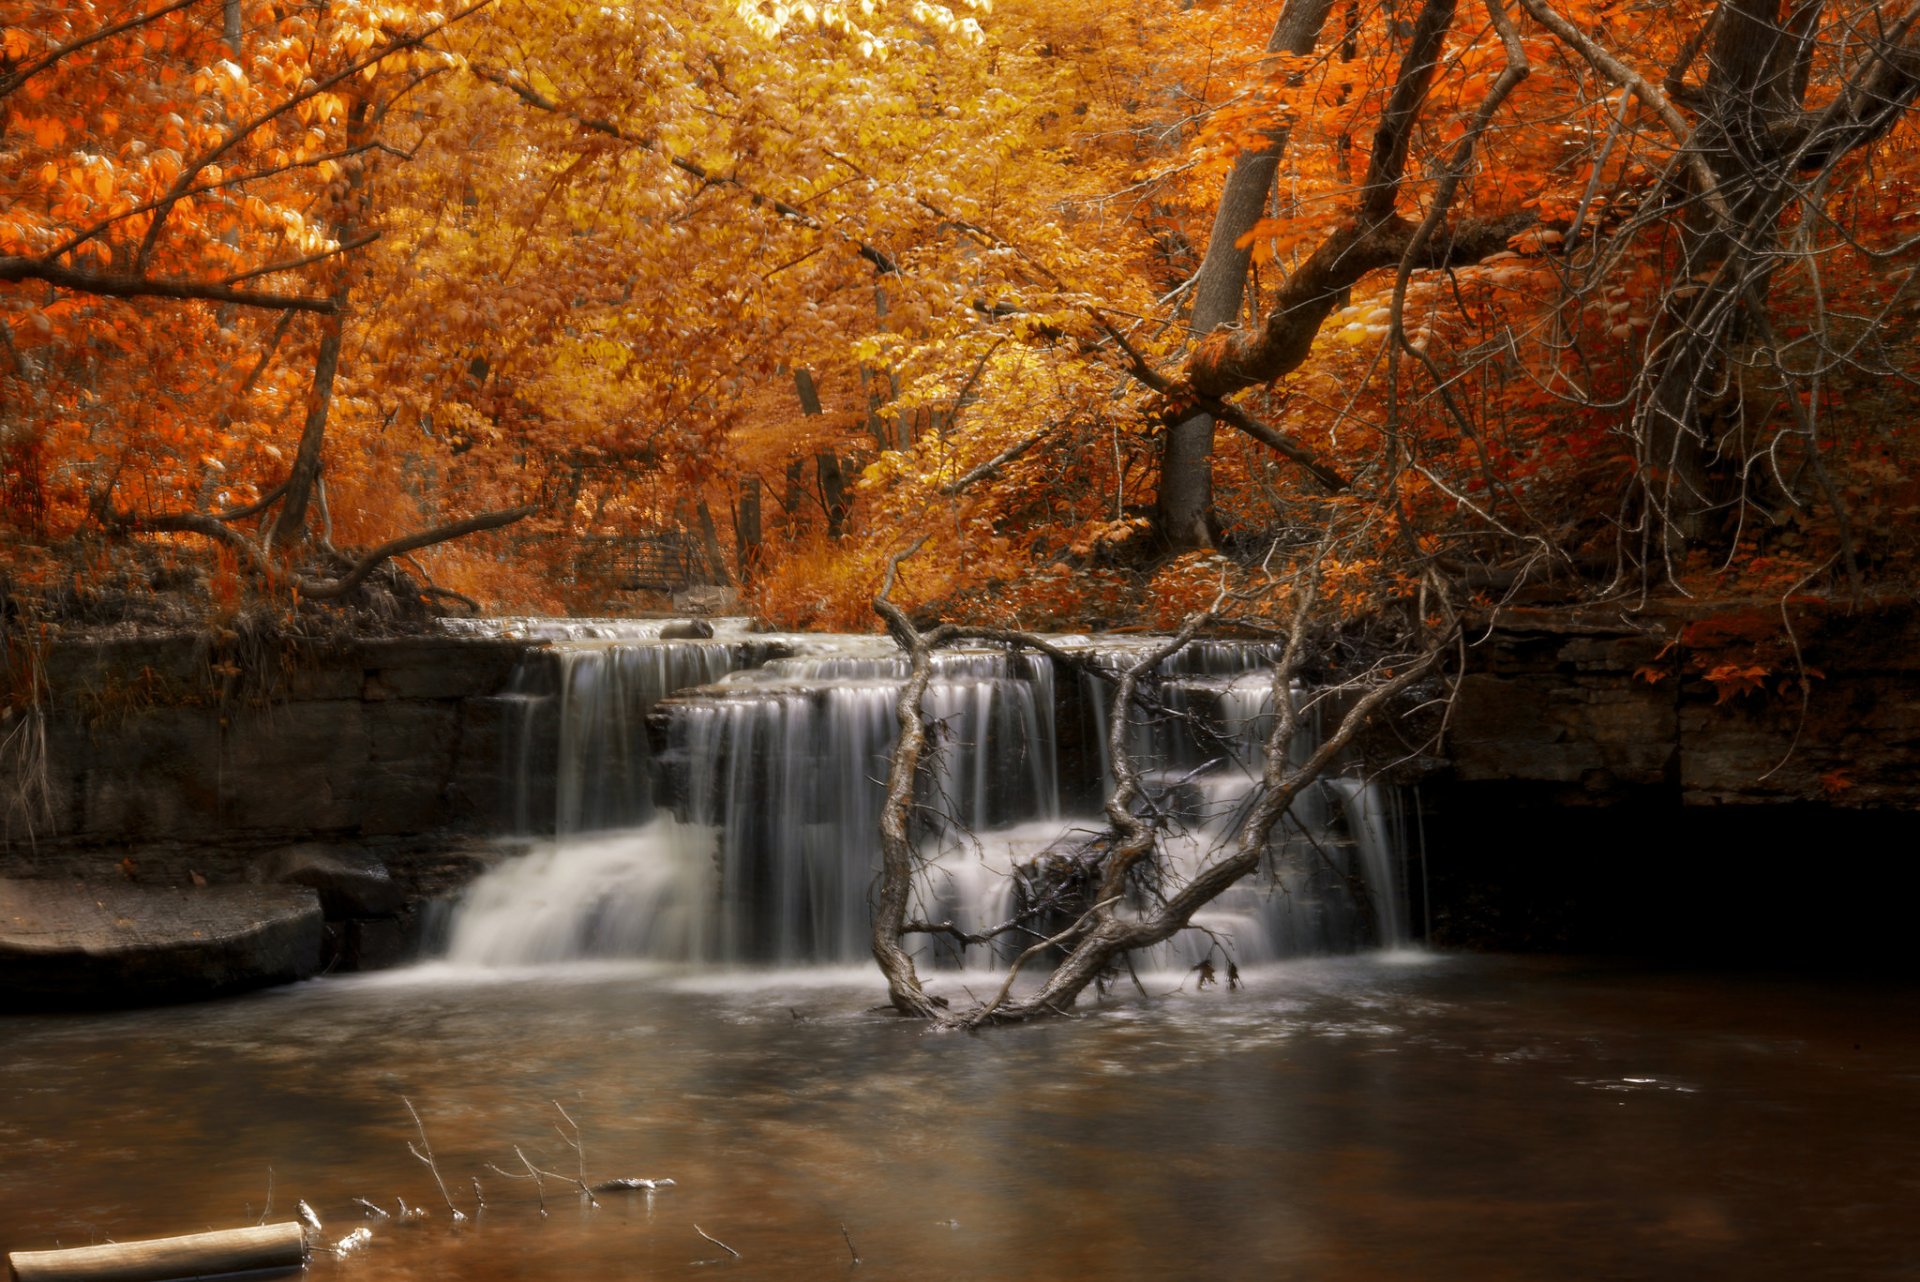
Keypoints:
pixel 1551 269
pixel 178 170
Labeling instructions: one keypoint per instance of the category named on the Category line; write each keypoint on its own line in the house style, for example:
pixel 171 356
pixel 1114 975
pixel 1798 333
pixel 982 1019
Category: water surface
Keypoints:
pixel 1351 1118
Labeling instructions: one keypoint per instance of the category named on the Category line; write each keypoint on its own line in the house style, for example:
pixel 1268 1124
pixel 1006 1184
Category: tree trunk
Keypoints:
pixel 1720 280
pixel 746 534
pixel 793 497
pixel 710 544
pixel 833 491
pixel 809 394
pixel 1186 461
pixel 291 526
pixel 275 1247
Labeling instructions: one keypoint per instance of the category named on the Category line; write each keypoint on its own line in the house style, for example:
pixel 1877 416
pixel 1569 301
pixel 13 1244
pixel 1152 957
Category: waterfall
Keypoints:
pixel 719 802
pixel 577 752
pixel 1373 817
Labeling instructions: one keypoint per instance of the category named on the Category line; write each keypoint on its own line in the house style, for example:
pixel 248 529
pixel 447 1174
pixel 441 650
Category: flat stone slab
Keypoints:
pixel 85 943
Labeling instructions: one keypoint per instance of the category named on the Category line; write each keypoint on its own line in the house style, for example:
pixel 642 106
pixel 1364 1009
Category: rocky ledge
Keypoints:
pixel 68 943
pixel 1716 704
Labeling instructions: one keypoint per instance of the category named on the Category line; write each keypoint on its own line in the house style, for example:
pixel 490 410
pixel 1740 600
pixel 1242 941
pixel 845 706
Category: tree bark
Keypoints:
pixel 897 856
pixel 747 529
pixel 833 491
pixel 809 395
pixel 1186 461
pixel 710 545
pixel 276 1247
pixel 1233 360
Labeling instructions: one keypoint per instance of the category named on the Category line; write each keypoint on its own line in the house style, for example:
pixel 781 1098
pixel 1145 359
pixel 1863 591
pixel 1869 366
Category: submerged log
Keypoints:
pixel 279 1248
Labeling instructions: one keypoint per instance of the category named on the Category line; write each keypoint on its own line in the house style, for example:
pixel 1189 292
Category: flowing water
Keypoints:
pixel 1338 1119
pixel 719 801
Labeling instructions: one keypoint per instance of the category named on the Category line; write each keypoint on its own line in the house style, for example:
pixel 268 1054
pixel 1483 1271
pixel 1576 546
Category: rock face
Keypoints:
pixel 391 744
pixel 1671 785
pixel 351 785
pixel 1711 706
pixel 66 943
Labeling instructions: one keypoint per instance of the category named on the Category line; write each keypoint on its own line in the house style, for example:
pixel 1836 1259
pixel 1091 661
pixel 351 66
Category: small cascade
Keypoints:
pixel 787 761
pixel 577 754
pixel 1374 818
pixel 628 893
pixel 719 801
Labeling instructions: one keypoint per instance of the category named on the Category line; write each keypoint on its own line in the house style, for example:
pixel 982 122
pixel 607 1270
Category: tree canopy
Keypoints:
pixel 1115 305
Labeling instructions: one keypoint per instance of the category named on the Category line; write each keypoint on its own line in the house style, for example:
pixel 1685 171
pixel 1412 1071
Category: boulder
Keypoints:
pixel 687 630
pixel 79 943
pixel 350 882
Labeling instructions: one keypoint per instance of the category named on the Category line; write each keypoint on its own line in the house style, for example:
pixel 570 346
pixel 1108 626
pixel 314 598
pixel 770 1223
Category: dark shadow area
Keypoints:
pixel 1806 888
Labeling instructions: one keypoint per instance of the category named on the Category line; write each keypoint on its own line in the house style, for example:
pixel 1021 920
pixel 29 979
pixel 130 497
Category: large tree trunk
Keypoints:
pixel 1186 460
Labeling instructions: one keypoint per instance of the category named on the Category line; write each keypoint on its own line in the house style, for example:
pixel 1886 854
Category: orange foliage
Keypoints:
pixel 587 251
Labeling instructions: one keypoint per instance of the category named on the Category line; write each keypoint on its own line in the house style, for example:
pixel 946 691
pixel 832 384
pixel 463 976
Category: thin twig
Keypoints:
pixel 425 1153
pixel 717 1242
pixel 580 1153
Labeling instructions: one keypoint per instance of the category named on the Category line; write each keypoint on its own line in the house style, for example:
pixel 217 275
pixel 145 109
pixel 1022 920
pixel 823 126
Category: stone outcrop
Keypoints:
pixel 350 882
pixel 189 785
pixel 1711 705
pixel 67 943
pixel 165 749
pixel 1667 784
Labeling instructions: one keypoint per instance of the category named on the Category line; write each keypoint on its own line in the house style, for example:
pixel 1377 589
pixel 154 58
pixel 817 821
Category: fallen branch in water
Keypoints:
pixel 260 1247
pixel 533 1173
pixel 580 1153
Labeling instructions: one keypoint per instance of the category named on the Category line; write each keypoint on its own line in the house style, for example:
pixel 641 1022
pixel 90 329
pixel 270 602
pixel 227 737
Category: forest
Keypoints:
pixel 627 514
pixel 1124 311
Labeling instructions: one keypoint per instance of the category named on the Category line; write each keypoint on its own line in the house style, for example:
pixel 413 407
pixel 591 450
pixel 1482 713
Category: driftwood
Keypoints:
pixel 275 1247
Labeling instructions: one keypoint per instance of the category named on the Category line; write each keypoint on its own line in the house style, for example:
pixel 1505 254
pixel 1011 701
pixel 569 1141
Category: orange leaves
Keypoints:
pixel 47 132
pixel 1731 680
pixel 164 404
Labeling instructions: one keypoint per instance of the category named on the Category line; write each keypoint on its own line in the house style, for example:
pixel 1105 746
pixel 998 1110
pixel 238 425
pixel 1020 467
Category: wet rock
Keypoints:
pixel 687 630
pixel 76 943
pixel 350 882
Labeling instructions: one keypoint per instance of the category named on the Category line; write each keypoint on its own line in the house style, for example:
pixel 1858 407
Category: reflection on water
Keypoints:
pixel 1340 1119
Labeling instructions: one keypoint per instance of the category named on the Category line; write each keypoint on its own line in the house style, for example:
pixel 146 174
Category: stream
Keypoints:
pixel 1372 1116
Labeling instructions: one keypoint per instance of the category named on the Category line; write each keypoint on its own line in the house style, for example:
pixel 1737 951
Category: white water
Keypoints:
pixel 768 782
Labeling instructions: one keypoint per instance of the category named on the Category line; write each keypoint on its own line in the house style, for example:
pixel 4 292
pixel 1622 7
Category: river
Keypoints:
pixel 1362 1117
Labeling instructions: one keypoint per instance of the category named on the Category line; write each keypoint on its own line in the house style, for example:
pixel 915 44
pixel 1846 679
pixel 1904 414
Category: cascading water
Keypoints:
pixel 719 801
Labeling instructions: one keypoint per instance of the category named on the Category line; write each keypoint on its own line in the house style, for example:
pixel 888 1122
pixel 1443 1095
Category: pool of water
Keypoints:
pixel 1357 1118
